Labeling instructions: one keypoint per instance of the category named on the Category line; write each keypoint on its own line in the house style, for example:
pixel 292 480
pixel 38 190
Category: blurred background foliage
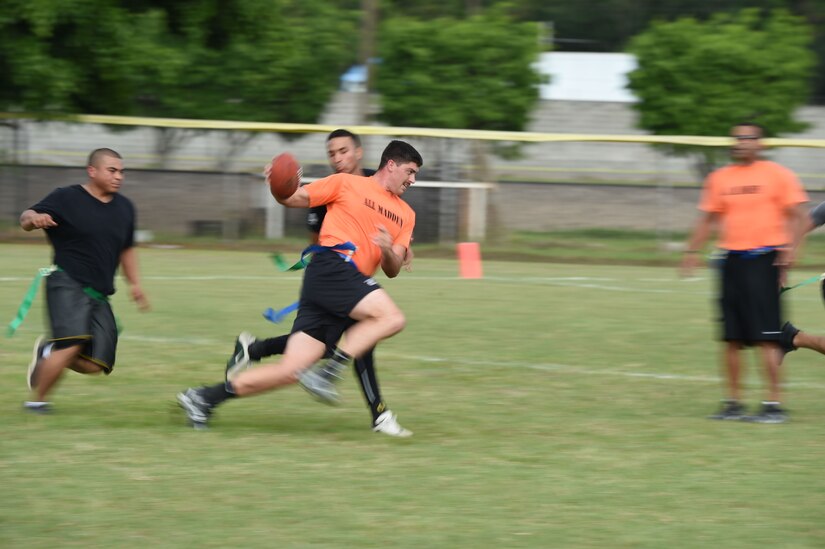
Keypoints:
pixel 484 60
pixel 280 60
pixel 697 77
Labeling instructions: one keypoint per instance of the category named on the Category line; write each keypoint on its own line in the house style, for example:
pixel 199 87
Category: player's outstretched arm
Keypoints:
pixel 30 220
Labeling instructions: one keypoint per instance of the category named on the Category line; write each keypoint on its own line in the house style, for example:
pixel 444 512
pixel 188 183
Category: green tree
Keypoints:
pixel 74 57
pixel 256 60
pixel 698 78
pixel 473 73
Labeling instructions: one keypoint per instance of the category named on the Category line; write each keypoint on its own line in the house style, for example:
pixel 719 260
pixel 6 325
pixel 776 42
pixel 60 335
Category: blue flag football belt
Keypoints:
pixel 345 250
pixel 721 255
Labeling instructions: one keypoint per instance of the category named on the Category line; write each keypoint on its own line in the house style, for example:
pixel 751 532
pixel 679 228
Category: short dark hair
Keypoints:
pixel 400 153
pixel 96 154
pixel 762 131
pixel 344 133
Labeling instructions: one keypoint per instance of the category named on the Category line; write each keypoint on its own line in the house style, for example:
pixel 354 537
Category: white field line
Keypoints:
pixel 471 365
pixel 188 278
pixel 463 364
pixel 595 283
pixel 570 281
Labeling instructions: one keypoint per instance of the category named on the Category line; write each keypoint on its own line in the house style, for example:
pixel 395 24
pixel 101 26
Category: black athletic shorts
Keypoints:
pixel 331 289
pixel 750 298
pixel 76 317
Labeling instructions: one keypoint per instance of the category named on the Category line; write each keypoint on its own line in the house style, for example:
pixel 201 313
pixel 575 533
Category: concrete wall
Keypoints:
pixel 226 205
pixel 185 201
pixel 233 205
pixel 68 145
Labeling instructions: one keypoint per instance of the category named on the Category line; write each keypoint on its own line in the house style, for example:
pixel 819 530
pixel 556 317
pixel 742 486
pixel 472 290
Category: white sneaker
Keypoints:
pixel 37 407
pixel 387 424
pixel 240 359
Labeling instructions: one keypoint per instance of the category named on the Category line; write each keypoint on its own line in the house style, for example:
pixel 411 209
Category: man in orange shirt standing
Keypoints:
pixel 757 205
pixel 367 225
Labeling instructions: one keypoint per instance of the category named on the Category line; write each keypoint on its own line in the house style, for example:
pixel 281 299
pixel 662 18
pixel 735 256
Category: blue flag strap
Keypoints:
pixel 277 316
pixel 345 250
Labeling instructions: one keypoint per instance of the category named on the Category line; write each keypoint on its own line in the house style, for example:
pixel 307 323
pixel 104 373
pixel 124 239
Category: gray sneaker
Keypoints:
pixel 319 383
pixel 240 357
pixel 37 357
pixel 730 410
pixel 196 408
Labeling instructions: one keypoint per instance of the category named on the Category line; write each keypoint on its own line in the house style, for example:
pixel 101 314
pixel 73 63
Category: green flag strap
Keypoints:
pixel 284 266
pixel 28 299
pixel 345 250
pixel 805 282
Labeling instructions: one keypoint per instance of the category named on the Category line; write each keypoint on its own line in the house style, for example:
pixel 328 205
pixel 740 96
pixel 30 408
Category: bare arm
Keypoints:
pixel 408 259
pixel 392 261
pixel 698 238
pixel 129 266
pixel 392 255
pixel 800 223
pixel 299 199
pixel 30 220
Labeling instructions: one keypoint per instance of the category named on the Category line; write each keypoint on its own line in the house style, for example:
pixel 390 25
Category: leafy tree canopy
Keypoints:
pixel 471 73
pixel 227 59
pixel 252 60
pixel 698 78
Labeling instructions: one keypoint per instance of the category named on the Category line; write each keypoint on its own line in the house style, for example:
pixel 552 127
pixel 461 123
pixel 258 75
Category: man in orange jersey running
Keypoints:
pixel 758 206
pixel 344 153
pixel 367 225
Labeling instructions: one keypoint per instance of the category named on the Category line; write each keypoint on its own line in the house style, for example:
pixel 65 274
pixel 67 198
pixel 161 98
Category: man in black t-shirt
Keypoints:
pixel 91 230
pixel 344 153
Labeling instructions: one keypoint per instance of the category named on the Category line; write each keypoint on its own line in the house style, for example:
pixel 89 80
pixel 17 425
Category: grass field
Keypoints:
pixel 554 405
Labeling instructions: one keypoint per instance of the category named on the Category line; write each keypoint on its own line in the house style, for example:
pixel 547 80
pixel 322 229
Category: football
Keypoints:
pixel 284 176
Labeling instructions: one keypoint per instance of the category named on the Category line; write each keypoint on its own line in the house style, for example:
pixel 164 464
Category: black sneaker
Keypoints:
pixel 789 332
pixel 196 408
pixel 37 358
pixel 730 410
pixel 769 413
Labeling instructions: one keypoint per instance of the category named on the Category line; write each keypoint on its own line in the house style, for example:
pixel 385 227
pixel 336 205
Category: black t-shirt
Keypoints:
pixel 315 216
pixel 90 234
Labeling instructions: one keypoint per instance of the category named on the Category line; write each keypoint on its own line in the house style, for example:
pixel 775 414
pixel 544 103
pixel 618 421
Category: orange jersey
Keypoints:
pixel 356 207
pixel 752 202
